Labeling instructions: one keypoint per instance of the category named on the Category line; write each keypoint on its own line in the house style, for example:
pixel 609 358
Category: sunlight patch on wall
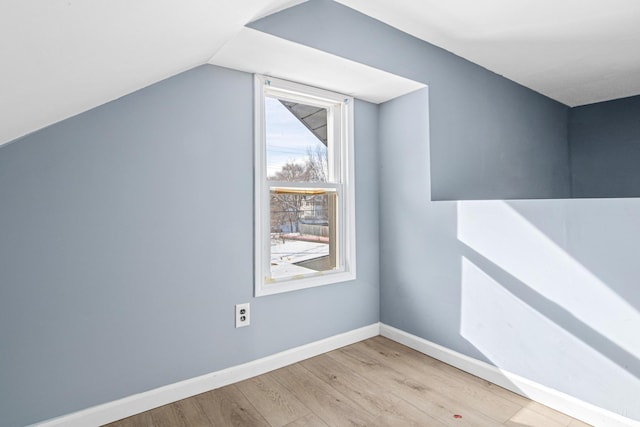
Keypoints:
pixel 500 234
pixel 517 338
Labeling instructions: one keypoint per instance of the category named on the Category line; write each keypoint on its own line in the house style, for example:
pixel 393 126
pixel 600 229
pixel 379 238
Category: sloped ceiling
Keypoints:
pixel 59 58
pixel 62 57
pixel 257 52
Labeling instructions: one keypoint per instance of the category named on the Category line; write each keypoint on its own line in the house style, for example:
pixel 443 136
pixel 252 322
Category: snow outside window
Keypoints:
pixel 304 193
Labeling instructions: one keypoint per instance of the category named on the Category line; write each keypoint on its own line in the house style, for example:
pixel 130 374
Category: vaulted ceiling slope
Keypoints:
pixel 59 58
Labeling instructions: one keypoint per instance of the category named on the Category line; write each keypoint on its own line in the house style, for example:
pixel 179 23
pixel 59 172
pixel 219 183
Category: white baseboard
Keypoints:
pixel 128 406
pixel 122 408
pixel 559 401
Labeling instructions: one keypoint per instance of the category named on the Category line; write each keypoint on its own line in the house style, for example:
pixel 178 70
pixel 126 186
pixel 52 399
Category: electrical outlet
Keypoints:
pixel 243 317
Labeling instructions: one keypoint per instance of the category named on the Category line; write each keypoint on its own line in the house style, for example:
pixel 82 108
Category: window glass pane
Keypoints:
pixel 303 231
pixel 296 141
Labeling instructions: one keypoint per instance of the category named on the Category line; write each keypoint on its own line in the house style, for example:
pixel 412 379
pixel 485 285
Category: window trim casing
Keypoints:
pixel 264 86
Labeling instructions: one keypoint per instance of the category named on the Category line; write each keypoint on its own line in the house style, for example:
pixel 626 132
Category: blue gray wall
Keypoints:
pixel 490 137
pixel 605 149
pixel 546 289
pixel 126 235
pixel 126 240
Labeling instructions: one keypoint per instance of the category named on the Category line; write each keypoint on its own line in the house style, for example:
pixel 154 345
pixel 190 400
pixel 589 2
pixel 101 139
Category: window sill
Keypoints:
pixel 278 287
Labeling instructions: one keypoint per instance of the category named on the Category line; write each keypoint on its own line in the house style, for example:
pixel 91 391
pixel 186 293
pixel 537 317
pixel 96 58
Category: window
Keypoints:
pixel 304 193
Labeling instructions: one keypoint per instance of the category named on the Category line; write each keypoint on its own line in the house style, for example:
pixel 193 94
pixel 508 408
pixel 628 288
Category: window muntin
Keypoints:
pixel 304 187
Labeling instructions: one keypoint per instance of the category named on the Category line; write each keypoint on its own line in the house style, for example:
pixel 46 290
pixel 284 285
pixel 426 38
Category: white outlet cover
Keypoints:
pixel 240 321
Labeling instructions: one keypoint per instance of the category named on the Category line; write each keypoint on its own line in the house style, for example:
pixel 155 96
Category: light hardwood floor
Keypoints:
pixel 376 382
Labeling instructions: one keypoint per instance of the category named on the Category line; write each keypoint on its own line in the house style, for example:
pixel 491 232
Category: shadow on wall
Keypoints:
pixel 532 309
pixel 513 283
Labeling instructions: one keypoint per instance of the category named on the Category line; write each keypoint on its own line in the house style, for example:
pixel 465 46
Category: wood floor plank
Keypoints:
pixel 404 414
pixel 529 404
pixel 421 395
pixel 228 407
pixel 578 423
pixel 275 402
pixel 192 413
pixel 387 407
pixel 356 387
pixel 527 417
pixel 451 371
pixel 455 384
pixel 485 392
pixel 557 416
pixel 330 405
pixel 167 416
pixel 310 420
pixel 139 420
pixel 446 369
pixel 376 382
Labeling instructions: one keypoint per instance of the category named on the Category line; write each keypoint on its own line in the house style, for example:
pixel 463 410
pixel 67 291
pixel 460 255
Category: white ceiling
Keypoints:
pixel 59 58
pixel 257 52
pixel 574 51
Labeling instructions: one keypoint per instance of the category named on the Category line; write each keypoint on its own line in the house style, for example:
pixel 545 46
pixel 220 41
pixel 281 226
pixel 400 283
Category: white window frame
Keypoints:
pixel 340 125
